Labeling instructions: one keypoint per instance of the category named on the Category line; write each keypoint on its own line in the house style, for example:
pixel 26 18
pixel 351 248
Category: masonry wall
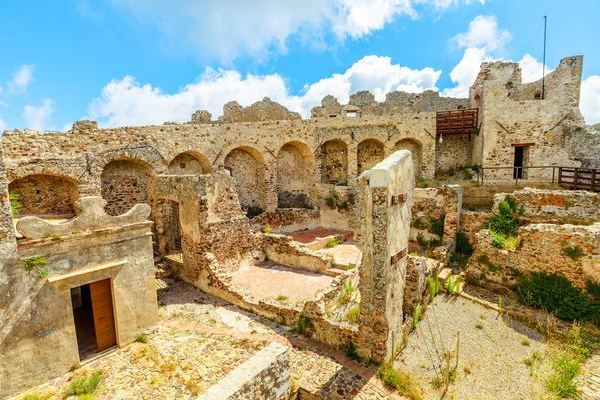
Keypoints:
pixel 383 234
pixel 37 339
pixel 45 195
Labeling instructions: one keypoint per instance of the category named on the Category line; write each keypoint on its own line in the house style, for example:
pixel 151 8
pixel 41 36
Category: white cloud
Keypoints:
pixel 21 79
pixel 481 41
pixel 465 72
pixel 531 69
pixel 127 102
pixel 483 33
pixel 36 116
pixel 590 99
pixel 227 29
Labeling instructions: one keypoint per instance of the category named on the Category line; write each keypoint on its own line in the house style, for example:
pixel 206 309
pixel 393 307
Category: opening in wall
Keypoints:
pixel 94 317
pixel 520 161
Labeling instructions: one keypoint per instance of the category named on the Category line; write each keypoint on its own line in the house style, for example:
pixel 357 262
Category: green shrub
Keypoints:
pixel 353 314
pixel 334 241
pixel 267 228
pixel 401 381
pixel 350 350
pixel 558 295
pixel 83 384
pixel 143 338
pixel 282 297
pixel 560 382
pixel 304 325
pixel 15 203
pixel 485 260
pixel 511 243
pixel 593 289
pixel 453 283
pixel 38 264
pixel 332 199
pixel 433 286
pixel 417 314
pixel 423 183
pixel 437 226
pixel 573 252
pixel 504 221
pixel 346 293
pixel 468 174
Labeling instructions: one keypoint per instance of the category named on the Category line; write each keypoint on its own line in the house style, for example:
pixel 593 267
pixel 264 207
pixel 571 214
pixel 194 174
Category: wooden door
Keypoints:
pixel 104 318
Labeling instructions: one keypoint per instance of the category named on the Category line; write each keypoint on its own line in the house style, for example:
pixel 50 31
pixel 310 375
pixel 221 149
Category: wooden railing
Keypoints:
pixel 579 178
pixel 456 122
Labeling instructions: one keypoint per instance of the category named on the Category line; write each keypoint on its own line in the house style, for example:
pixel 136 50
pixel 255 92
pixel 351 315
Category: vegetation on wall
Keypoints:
pixel 505 223
pixel 334 241
pixel 15 203
pixel 36 263
pixel 463 250
pixel 335 202
pixel 557 295
pixel 573 252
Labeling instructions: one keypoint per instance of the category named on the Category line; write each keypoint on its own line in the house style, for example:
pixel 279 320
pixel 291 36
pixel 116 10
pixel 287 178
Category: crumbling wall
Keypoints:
pixel 91 247
pixel 395 103
pixel 295 166
pixel 584 144
pixel 189 164
pixel 369 153
pixel 247 169
pixel 510 118
pixel 334 162
pixel 264 110
pixel 383 216
pixel 555 206
pixel 266 375
pixel 125 183
pixel 542 248
pixel 44 194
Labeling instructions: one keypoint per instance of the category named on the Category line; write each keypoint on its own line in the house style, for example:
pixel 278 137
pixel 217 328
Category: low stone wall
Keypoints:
pixel 472 222
pixel 285 220
pixel 556 206
pixel 417 271
pixel 266 375
pixel 284 250
pixel 541 249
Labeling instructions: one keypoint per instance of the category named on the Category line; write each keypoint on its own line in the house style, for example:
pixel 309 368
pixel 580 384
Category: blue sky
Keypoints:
pixel 134 62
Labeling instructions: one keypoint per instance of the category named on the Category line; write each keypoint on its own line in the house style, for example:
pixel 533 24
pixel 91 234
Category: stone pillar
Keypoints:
pixel 383 215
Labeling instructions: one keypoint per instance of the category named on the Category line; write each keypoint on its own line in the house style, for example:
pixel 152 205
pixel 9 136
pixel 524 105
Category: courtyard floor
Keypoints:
pixel 270 280
pixel 492 352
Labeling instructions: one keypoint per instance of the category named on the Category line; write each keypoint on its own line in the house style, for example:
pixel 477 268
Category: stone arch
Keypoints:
pixel 45 194
pixel 189 163
pixel 124 183
pixel 247 167
pixel 416 148
pixel 368 153
pixel 294 175
pixel 334 162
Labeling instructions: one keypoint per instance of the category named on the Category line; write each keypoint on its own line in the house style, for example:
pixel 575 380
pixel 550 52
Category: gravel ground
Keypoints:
pixel 492 352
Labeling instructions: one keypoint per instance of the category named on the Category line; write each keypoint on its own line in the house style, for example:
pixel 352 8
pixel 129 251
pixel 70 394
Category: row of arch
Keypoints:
pixel 125 182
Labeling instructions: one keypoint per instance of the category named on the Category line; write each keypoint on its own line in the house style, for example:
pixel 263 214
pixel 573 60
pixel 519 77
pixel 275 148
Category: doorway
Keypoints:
pixel 519 162
pixel 94 317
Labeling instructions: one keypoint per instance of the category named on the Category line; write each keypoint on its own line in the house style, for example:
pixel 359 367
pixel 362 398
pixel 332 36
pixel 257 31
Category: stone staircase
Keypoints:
pixel 589 386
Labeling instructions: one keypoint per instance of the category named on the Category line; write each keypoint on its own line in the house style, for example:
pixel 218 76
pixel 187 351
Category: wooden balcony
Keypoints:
pixel 456 122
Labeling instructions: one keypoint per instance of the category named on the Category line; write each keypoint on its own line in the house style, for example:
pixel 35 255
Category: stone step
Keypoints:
pixel 334 272
pixel 174 260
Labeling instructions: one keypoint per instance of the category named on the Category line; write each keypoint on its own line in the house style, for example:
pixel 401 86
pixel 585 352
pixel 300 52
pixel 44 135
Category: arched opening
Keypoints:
pixel 247 168
pixel 125 183
pixel 43 195
pixel 294 176
pixel 189 163
pixel 415 148
pixel 334 162
pixel 369 153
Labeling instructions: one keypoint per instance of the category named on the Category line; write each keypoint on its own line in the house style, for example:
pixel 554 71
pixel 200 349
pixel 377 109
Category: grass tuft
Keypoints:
pixel 84 384
pixel 401 381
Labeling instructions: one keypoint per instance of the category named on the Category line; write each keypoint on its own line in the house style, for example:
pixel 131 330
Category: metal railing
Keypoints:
pixel 518 173
pixel 567 177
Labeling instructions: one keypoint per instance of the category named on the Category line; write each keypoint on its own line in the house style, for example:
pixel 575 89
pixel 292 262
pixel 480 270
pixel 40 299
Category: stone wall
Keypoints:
pixel 334 162
pixel 383 231
pixel 471 222
pixel 266 375
pixel 369 153
pixel 295 176
pixel 510 117
pixel 541 249
pixel 455 152
pixel 125 183
pixel 45 195
pixel 247 169
pixel 264 110
pixel 395 103
pixel 91 247
pixel 556 206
